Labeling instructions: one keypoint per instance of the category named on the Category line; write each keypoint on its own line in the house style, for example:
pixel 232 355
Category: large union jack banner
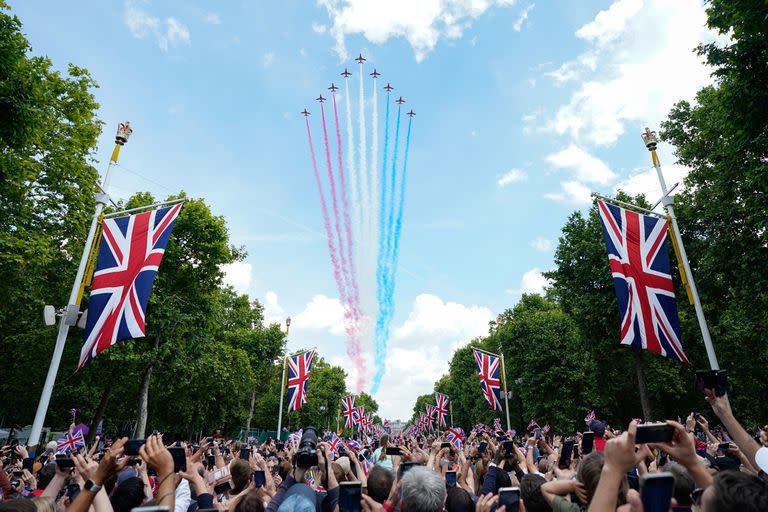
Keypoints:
pixel 488 367
pixel 130 252
pixel 348 411
pixel 441 408
pixel 299 367
pixel 639 261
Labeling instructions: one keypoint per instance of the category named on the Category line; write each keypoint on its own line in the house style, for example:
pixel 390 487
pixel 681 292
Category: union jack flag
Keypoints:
pixel 348 410
pixel 354 445
pixel 130 252
pixel 481 428
pixel 299 367
pixel 490 382
pixel 294 439
pixel 357 417
pixel 497 425
pixel 545 429
pixel 590 417
pixel 441 408
pixel 70 442
pixel 637 255
pixel 533 425
pixel 455 436
pixel 430 415
pixel 511 433
pixel 334 444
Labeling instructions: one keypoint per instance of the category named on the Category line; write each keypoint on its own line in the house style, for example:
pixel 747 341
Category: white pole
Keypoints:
pixel 506 393
pixel 69 317
pixel 650 140
pixel 282 393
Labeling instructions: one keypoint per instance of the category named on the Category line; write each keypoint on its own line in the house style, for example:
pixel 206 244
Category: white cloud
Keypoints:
pixel 572 192
pixel 268 59
pixel 170 32
pixel 433 319
pixel 511 176
pixel 518 24
pixel 639 63
pixel 541 244
pixel 212 18
pixel 533 281
pixel 238 275
pixel 421 23
pixel 584 166
pixel 645 180
pixel 322 313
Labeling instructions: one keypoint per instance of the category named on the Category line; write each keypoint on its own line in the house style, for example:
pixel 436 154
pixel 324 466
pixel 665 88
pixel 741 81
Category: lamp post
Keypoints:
pixel 71 311
pixel 282 383
pixel 651 141
pixel 518 383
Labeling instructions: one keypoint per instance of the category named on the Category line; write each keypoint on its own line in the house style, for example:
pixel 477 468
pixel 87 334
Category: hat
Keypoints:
pixel 597 426
pixel 726 463
pixel 299 498
pixel 125 474
pixel 344 463
pixel 761 458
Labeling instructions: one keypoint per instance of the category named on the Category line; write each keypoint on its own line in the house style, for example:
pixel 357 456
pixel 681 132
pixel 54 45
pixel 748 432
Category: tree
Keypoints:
pixel 723 210
pixel 48 131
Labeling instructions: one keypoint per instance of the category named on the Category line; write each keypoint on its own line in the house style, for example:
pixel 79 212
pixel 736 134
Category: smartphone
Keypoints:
pixel 245 453
pixel 405 467
pixel 656 491
pixel 259 478
pixel 575 451
pixel 64 462
pixel 450 478
pixel 211 460
pixel 723 447
pixel 537 433
pixel 28 464
pixel 716 380
pixel 393 450
pixel 445 445
pixel 18 474
pixel 209 440
pixel 509 498
pixel 509 446
pixel 133 445
pixel 654 433
pixel 179 458
pixel 72 491
pixel 350 494
pixel 481 449
pixel 565 454
pixel 663 459
pixel 587 442
pixel 223 487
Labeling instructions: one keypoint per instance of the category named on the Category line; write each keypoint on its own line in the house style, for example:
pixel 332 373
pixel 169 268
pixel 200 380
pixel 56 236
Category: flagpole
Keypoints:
pixel 70 313
pixel 282 382
pixel 506 394
pixel 450 405
pixel 650 140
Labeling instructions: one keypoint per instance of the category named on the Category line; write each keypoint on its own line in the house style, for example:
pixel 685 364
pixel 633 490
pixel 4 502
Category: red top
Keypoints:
pixel 599 444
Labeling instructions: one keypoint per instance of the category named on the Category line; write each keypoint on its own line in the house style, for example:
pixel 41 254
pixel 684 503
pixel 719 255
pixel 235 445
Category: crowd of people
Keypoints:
pixel 694 467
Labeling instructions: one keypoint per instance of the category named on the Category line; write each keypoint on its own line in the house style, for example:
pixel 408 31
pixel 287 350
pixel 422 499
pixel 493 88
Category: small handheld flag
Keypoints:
pixel 70 442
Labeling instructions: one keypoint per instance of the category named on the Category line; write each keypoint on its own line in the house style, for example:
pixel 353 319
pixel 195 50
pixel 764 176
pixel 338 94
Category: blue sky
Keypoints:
pixel 523 108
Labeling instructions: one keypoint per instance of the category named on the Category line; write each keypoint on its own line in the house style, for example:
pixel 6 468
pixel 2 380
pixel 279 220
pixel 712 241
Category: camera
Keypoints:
pixel 306 455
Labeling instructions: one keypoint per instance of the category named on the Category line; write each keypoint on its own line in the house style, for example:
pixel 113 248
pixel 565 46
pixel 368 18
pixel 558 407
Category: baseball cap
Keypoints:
pixel 299 498
pixel 597 426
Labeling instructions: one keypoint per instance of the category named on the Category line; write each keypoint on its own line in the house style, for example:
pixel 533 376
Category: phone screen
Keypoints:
pixel 179 458
pixel 64 462
pixel 259 478
pixel 509 497
pixel 481 449
pixel 211 460
pixel 656 491
pixel 72 491
pixel 565 454
pixel 508 447
pixel 587 442
pixel 133 445
pixel 654 433
pixel 393 450
pixel 350 494
pixel 245 453
pixel 445 445
pixel 450 478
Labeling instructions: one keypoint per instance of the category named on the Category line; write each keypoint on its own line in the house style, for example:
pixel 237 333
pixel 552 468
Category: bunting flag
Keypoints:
pixel 639 262
pixel 441 408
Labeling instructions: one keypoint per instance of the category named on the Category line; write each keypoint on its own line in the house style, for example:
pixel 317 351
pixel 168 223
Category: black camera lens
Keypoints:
pixel 306 455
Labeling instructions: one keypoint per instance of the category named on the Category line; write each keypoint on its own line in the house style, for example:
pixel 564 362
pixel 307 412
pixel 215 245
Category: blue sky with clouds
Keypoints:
pixel 524 107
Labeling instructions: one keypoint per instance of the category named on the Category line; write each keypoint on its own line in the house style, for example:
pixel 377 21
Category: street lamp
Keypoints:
pixel 287 325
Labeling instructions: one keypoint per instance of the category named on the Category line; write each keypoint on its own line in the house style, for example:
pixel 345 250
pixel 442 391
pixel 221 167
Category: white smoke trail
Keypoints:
pixel 373 243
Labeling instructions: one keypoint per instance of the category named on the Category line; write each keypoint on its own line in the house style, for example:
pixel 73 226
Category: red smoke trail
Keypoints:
pixel 350 297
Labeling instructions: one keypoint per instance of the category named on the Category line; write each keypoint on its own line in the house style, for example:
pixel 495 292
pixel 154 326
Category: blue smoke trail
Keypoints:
pixel 383 274
pixel 399 221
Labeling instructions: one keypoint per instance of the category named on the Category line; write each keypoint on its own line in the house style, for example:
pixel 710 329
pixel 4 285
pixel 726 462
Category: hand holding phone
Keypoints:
pixel 654 433
pixel 509 498
pixel 179 456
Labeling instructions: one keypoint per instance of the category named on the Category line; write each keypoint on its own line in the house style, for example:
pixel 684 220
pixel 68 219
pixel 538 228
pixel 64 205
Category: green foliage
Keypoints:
pixel 723 210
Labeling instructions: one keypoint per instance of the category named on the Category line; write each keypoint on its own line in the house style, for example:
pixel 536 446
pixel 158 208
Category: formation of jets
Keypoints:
pixel 346 74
